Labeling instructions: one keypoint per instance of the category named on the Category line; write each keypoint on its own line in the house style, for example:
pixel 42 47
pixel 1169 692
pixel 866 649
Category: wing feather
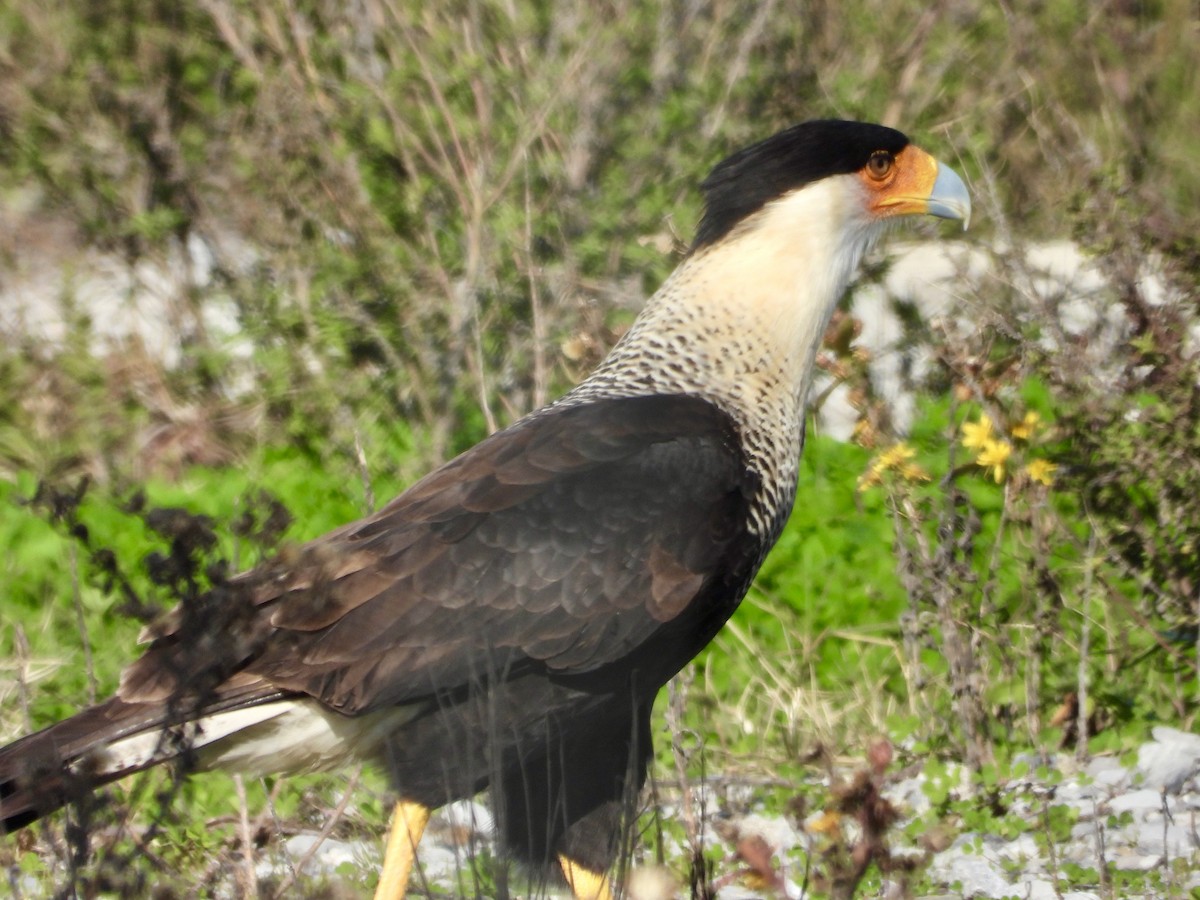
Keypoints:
pixel 566 542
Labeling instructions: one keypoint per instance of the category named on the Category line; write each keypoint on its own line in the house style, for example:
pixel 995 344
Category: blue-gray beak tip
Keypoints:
pixel 949 198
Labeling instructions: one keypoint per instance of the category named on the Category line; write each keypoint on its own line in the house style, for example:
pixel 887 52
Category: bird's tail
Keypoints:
pixel 45 771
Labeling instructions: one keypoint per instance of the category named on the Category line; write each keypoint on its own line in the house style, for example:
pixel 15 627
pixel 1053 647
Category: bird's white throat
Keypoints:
pixel 740 322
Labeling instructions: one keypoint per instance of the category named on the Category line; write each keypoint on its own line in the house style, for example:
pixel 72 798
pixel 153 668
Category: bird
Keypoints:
pixel 506 622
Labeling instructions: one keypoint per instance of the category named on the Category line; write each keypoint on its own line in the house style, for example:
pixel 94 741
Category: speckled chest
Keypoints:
pixel 673 349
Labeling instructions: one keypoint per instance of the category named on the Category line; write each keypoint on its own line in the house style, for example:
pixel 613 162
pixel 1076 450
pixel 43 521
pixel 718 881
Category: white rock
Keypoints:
pixel 466 815
pixel 1134 862
pixel 1084 830
pixel 440 864
pixel 1077 794
pixel 1170 760
pixel 1041 889
pixel 1023 849
pixel 1139 801
pixel 329 855
pixel 837 415
pixel 148 304
pixel 737 892
pixel 1174 841
pixel 909 795
pixel 976 875
pixel 775 831
pixel 1107 771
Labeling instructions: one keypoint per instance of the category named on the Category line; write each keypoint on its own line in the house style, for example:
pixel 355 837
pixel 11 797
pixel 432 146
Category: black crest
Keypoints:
pixel 750 179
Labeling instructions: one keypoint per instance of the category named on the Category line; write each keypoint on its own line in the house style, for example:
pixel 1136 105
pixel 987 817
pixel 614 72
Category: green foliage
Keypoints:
pixel 441 216
pixel 433 181
pixel 41 577
pixel 831 571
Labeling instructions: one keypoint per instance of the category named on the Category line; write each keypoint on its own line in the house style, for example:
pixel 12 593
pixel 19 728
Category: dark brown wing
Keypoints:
pixel 565 542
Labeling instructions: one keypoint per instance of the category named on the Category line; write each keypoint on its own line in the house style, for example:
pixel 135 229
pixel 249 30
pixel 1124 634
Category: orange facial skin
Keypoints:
pixel 899 184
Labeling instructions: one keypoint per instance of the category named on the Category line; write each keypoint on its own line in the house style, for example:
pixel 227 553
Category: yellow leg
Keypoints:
pixel 585 884
pixel 408 824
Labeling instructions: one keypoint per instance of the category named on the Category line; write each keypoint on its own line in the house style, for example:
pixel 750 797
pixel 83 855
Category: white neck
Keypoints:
pixel 739 322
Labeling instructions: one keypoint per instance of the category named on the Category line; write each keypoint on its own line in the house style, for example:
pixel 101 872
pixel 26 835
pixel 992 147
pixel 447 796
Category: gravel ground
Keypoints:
pixel 1138 822
pixel 1139 818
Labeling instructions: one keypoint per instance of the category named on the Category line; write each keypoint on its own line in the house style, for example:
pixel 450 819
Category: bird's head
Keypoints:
pixel 861 175
pixel 786 223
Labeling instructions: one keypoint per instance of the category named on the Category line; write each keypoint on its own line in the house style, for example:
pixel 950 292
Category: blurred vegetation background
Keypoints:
pixel 390 227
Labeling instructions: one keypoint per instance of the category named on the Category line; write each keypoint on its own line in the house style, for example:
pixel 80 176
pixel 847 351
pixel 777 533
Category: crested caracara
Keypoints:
pixel 506 622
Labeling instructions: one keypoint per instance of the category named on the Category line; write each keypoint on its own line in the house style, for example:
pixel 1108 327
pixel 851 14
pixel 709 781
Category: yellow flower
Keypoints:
pixel 994 455
pixel 828 823
pixel 895 458
pixel 977 435
pixel 1024 431
pixel 867 479
pixel 1042 471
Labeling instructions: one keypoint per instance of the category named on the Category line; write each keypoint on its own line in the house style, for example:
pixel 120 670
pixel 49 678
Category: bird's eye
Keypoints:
pixel 880 164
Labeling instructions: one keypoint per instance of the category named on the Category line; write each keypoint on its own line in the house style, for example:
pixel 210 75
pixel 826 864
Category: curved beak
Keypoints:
pixel 949 198
pixel 921 186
